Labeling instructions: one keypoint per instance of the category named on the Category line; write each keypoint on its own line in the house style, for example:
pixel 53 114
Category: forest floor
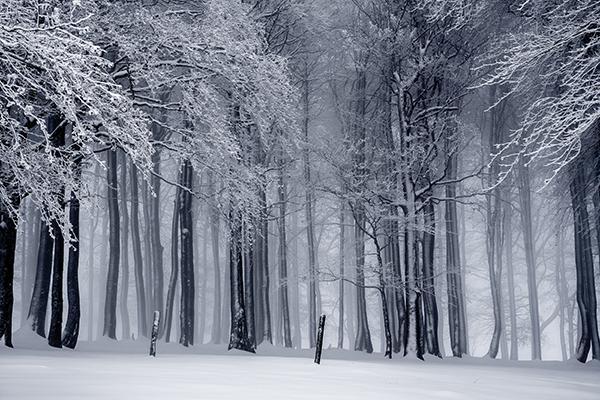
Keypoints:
pixel 123 370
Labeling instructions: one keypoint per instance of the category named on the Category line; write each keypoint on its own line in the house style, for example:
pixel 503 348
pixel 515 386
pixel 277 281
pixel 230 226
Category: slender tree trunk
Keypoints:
pixel 157 248
pixel 8 243
pixel 528 241
pixel 512 307
pixel 263 280
pixel 214 229
pixel 71 332
pixel 561 290
pixel 168 319
pixel 294 284
pixel 429 300
pixel 310 235
pixel 226 317
pixel 91 273
pixel 149 263
pixel 342 255
pixel 187 257
pixel 454 277
pixel 56 304
pixel 249 289
pixel 140 289
pixel 112 279
pixel 283 276
pixel 202 279
pixel 124 289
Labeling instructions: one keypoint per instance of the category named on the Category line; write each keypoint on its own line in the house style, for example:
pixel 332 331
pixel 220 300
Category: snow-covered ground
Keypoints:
pixel 124 371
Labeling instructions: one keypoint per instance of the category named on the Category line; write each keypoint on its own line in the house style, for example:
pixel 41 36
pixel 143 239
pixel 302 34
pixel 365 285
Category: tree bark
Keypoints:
pixel 238 338
pixel 168 315
pixel 342 255
pixel 41 288
pixel 187 257
pixel 71 332
pixel 138 263
pixel 429 300
pixel 586 292
pixel 56 304
pixel 214 229
pixel 112 278
pixel 528 242
pixel 8 243
pixel 283 275
pixel 124 287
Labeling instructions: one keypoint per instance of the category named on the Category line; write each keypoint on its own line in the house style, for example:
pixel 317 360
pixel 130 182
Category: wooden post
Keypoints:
pixel 154 333
pixel 320 339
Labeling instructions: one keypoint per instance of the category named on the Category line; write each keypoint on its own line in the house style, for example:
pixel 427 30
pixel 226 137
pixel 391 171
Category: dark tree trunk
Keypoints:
pixel 41 288
pixel 148 262
pixel 168 316
pixel 187 312
pixel 56 305
pixel 586 292
pixel 238 338
pixel 262 281
pixel 157 248
pixel 71 332
pixel 429 300
pixel 112 278
pixel 142 321
pixel 124 289
pixel 342 255
pixel 456 296
pixel 249 292
pixel 8 242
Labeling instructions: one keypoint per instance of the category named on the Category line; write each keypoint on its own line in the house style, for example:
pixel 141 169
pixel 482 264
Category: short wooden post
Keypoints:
pixel 154 333
pixel 320 332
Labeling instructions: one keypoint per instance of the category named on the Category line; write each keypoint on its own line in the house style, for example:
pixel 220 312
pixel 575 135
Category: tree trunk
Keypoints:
pixel 56 304
pixel 71 332
pixel 238 338
pixel 41 288
pixel 112 279
pixel 249 289
pixel 140 289
pixel 157 248
pixel 454 277
pixel 168 315
pixel 148 262
pixel 528 242
pixel 263 306
pixel 310 235
pixel 586 292
pixel 561 290
pixel 214 229
pixel 283 277
pixel 512 307
pixel 187 257
pixel 124 292
pixel 429 300
pixel 8 243
pixel 342 255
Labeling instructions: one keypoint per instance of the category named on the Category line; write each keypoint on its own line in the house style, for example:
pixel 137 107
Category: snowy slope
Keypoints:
pixel 103 371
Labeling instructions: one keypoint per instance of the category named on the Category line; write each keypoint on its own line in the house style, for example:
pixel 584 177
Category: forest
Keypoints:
pixel 424 173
